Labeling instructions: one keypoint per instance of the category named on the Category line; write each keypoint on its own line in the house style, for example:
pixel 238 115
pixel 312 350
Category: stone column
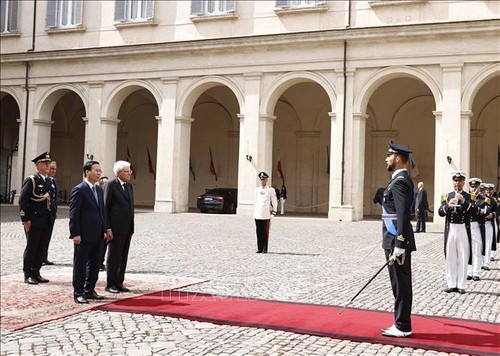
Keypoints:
pixel 107 148
pixel 181 163
pixel 164 193
pixel 265 145
pixel 357 179
pixel 29 148
pixel 249 145
pixel 476 163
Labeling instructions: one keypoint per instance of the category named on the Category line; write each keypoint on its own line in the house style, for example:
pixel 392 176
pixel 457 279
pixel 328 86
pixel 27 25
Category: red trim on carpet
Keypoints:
pixel 429 332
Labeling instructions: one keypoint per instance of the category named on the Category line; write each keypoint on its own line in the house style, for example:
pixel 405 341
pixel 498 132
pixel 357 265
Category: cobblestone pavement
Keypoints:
pixel 311 260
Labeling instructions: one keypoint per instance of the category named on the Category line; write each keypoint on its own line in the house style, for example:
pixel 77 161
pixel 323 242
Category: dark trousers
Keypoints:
pixel 421 218
pixel 37 240
pixel 116 261
pixel 402 289
pixel 45 255
pixel 86 263
pixel 262 230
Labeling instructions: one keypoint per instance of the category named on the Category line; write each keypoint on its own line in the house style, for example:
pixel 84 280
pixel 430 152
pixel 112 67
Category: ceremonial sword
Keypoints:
pixel 389 262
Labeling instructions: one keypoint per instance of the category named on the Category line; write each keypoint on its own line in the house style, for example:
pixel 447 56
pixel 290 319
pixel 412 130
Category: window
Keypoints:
pixel 8 13
pixel 134 10
pixel 212 7
pixel 64 13
pixel 294 4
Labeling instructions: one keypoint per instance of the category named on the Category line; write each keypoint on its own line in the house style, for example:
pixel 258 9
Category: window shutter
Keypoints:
pixel 230 5
pixel 196 7
pixel 150 9
pixel 78 12
pixel 51 19
pixel 120 10
pixel 282 3
pixel 13 16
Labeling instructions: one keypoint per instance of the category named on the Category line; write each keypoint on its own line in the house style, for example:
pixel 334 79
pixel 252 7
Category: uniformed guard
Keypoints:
pixel 490 227
pixel 456 206
pixel 37 217
pixel 398 239
pixel 266 204
pixel 477 228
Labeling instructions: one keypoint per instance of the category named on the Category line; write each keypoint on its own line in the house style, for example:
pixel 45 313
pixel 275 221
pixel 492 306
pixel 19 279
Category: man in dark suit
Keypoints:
pixel 55 189
pixel 398 239
pixel 421 207
pixel 88 227
pixel 119 202
pixel 35 209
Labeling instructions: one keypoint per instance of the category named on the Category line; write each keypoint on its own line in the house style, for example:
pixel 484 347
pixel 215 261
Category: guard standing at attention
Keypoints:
pixel 266 204
pixel 398 239
pixel 456 206
pixel 35 209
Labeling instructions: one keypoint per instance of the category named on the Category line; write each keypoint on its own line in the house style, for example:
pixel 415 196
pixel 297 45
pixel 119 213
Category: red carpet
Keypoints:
pixel 430 333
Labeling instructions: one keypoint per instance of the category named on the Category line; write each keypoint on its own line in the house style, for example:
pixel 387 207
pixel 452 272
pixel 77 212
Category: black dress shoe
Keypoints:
pixel 258 251
pixel 47 263
pixel 93 295
pixel 30 280
pixel 476 278
pixel 461 291
pixel 469 278
pixel 80 299
pixel 123 289
pixel 40 279
pixel 449 290
pixel 112 290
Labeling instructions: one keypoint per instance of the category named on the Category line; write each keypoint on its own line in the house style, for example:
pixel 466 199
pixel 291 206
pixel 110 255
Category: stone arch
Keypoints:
pixel 201 85
pixel 476 82
pixel 14 93
pixel 114 100
pixel 280 84
pixel 43 110
pixel 384 75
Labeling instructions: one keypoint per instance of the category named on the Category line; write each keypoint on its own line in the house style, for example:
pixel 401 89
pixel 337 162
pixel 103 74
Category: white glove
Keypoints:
pixel 398 251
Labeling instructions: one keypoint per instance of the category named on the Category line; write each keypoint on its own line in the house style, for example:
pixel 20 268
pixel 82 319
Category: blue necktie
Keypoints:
pixel 95 194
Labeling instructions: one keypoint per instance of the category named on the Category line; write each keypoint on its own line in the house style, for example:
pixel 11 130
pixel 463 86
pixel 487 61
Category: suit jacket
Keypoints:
pixel 398 198
pixel 421 202
pixel 35 201
pixel 86 217
pixel 119 205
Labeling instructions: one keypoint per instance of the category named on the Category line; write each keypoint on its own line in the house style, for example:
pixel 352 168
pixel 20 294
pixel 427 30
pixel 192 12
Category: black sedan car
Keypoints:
pixel 222 200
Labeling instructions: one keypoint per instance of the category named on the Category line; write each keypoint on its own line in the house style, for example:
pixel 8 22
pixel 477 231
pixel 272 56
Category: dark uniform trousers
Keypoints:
pixel 37 242
pixel 262 230
pixel 400 276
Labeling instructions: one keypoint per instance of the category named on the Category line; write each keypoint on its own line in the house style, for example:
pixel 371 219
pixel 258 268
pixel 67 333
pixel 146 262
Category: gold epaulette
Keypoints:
pixel 473 197
pixel 444 197
pixel 487 200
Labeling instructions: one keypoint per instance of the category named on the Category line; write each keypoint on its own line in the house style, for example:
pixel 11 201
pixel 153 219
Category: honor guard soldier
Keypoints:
pixel 490 227
pixel 37 217
pixel 266 204
pixel 477 228
pixel 398 239
pixel 456 206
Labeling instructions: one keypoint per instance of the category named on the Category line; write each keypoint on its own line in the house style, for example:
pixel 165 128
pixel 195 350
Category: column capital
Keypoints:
pixel 384 133
pixel 184 120
pixel 333 115
pixel 466 114
pixel 267 117
pixel 158 119
pixel 360 116
pixel 452 67
pixel 42 122
pixel 241 117
pixel 31 87
pixel 438 115
pixel 109 121
pixel 307 134
pixel 96 84
pixel 253 75
pixel 477 133
pixel 170 80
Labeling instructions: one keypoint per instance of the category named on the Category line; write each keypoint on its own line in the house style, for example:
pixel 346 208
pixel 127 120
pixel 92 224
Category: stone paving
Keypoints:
pixel 311 260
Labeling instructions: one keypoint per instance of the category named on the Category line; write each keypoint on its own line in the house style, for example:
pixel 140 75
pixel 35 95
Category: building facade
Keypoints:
pixel 204 94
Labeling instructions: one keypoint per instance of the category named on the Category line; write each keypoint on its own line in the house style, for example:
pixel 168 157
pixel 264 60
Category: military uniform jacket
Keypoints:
pixel 396 205
pixel 460 214
pixel 265 198
pixel 483 205
pixel 492 221
pixel 35 201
